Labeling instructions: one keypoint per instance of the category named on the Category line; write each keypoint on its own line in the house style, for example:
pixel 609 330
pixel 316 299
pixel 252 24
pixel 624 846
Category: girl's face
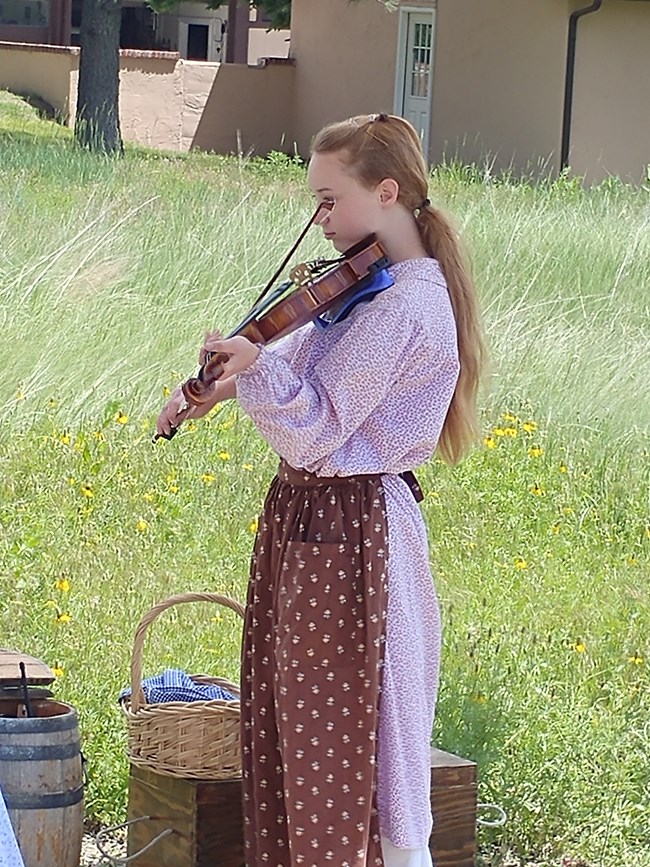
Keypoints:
pixel 356 211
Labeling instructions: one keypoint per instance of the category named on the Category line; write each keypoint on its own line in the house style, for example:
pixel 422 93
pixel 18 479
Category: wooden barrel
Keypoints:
pixel 42 784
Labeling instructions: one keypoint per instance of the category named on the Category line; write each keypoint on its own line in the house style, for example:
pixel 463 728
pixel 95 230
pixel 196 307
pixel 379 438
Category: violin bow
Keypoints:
pixel 323 206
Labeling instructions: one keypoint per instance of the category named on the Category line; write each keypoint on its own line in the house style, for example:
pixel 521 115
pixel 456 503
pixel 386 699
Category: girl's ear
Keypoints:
pixel 388 191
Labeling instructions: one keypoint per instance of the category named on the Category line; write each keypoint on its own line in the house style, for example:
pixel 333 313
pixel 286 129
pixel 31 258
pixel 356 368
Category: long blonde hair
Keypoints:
pixel 376 147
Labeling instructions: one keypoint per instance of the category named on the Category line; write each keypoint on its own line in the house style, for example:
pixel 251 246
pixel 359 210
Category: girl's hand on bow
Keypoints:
pixel 239 351
pixel 173 413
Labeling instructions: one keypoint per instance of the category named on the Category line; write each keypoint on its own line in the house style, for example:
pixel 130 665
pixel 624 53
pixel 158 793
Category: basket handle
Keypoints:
pixel 138 699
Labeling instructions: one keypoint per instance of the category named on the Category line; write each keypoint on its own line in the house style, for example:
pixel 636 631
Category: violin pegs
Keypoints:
pixel 302 275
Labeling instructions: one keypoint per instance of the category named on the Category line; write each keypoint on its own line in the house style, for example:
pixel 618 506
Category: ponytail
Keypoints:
pixel 461 427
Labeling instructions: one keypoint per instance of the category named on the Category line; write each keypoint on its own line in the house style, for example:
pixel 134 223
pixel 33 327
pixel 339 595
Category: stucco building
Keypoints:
pixel 527 85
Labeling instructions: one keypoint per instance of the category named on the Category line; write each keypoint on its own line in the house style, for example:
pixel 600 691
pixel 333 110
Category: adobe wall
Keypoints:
pixel 43 70
pixel 167 102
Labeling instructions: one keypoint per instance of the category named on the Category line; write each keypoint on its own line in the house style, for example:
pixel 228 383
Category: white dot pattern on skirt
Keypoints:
pixel 313 646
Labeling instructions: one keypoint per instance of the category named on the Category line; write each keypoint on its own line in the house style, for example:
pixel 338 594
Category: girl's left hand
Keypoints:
pixel 240 351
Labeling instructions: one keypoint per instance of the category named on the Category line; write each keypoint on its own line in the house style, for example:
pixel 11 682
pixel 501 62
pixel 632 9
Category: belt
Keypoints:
pixel 303 478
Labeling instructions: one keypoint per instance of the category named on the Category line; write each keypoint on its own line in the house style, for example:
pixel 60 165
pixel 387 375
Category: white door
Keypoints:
pixel 413 87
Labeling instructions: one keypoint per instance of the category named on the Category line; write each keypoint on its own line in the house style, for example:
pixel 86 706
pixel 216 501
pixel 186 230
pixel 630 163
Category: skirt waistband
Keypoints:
pixel 305 479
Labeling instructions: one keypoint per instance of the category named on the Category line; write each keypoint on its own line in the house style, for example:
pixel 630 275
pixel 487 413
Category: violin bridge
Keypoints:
pixel 302 275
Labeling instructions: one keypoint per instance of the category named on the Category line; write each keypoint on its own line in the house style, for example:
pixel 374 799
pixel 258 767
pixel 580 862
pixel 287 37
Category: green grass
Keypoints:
pixel 112 271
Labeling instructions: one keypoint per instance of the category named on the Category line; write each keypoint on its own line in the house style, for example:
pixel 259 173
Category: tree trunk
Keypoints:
pixel 97 125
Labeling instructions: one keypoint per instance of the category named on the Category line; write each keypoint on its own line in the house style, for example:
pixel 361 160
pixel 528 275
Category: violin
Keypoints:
pixel 313 289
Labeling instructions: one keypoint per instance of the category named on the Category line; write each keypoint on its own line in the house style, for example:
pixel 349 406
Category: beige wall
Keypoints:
pixel 346 55
pixel 250 105
pixel 41 70
pixel 611 105
pixel 166 102
pixel 499 81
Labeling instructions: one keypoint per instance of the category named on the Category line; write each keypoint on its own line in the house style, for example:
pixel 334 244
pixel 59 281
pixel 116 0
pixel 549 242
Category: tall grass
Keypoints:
pixel 112 270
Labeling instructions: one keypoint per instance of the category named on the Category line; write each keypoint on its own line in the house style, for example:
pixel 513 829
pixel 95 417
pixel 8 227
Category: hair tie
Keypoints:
pixel 425 204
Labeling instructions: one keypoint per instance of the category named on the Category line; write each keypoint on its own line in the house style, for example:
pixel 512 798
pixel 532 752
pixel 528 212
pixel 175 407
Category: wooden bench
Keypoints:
pixel 206 817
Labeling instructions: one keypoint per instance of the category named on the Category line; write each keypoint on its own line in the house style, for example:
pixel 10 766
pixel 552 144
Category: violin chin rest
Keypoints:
pixel 360 246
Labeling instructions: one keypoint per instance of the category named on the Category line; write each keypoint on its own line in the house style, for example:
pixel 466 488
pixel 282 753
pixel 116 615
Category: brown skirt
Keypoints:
pixel 311 673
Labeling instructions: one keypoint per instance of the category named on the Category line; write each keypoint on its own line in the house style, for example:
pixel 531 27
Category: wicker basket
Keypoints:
pixel 196 740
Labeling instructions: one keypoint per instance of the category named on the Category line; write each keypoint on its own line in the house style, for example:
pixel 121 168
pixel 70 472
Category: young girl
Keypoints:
pixel 341 642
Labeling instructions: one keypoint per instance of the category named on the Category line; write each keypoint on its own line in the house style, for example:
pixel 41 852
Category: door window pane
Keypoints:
pixel 421 59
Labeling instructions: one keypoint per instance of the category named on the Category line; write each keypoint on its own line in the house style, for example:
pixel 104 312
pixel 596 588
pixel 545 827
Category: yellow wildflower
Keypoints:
pixel 537 489
pixel 529 426
pixel 58 670
pixel 62 617
pixel 121 417
pixel 141 525
pixel 536 452
pixel 225 456
pixel 148 496
pixel 579 647
pixel 499 432
pixel 87 492
pixel 20 394
pixel 489 442
pixel 63 585
pixel 555 529
pixel 250 467
pixel 636 659
pixel 173 489
pixel 563 468
pixel 208 478
pixel 510 431
pixel 520 563
pixel 252 528
pixel 509 417
pixel 190 426
pixel 53 403
pixel 166 391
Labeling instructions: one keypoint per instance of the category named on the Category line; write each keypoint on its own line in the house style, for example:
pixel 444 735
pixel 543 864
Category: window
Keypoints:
pixel 25 13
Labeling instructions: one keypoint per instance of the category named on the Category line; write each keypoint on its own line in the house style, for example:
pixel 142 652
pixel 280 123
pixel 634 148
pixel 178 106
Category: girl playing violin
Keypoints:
pixel 341 643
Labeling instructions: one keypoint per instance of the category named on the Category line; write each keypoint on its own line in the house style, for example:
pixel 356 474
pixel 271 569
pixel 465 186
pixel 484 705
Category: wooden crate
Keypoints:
pixel 454 803
pixel 206 817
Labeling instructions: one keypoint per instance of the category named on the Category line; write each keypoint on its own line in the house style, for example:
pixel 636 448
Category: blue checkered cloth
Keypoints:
pixel 176 685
